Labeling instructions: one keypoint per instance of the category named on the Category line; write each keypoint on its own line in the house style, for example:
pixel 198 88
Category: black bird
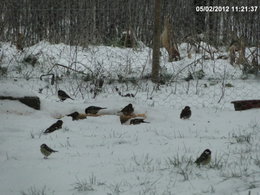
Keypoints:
pixel 74 115
pixel 204 158
pixel 128 110
pixel 46 150
pixel 93 109
pixel 77 116
pixel 54 127
pixel 185 113
pixel 63 95
pixel 137 121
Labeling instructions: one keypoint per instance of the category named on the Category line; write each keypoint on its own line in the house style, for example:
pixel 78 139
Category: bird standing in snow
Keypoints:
pixel 137 121
pixel 46 150
pixel 128 110
pixel 63 95
pixel 204 158
pixel 77 116
pixel 93 109
pixel 54 127
pixel 185 113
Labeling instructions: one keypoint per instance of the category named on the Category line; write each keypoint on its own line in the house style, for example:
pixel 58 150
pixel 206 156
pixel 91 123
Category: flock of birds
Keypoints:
pixel 126 113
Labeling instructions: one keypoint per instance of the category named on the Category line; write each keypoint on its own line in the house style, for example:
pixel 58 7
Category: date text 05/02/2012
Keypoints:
pixel 226 8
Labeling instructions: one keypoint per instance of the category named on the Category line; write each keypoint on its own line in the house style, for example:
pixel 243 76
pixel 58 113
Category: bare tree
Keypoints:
pixel 103 21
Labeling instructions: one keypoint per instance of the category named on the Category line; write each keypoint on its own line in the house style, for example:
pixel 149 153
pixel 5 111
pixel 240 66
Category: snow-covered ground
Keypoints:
pixel 110 61
pixel 99 156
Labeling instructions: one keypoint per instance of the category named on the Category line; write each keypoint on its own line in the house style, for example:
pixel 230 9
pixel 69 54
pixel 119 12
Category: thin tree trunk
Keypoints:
pixel 156 42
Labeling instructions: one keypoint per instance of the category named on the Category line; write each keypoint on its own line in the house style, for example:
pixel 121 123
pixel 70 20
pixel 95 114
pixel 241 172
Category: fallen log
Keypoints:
pixel 83 115
pixel 31 101
pixel 246 104
pixel 124 118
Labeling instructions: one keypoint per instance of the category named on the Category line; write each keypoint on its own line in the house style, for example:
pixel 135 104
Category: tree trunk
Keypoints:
pixel 156 42
pixel 200 25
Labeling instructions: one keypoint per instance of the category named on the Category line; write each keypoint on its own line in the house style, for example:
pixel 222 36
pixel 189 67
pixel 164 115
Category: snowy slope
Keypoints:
pixel 99 156
pixel 110 61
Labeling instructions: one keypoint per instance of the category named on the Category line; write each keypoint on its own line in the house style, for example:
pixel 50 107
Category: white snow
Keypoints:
pixel 11 89
pixel 99 156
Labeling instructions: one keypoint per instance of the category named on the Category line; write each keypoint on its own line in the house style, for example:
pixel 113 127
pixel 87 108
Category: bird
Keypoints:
pixel 63 95
pixel 77 116
pixel 93 109
pixel 204 158
pixel 54 127
pixel 185 113
pixel 46 150
pixel 137 121
pixel 128 110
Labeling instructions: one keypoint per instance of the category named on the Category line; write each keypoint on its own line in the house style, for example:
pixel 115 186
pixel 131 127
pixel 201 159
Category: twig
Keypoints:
pixel 223 87
pixel 177 74
pixel 69 68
